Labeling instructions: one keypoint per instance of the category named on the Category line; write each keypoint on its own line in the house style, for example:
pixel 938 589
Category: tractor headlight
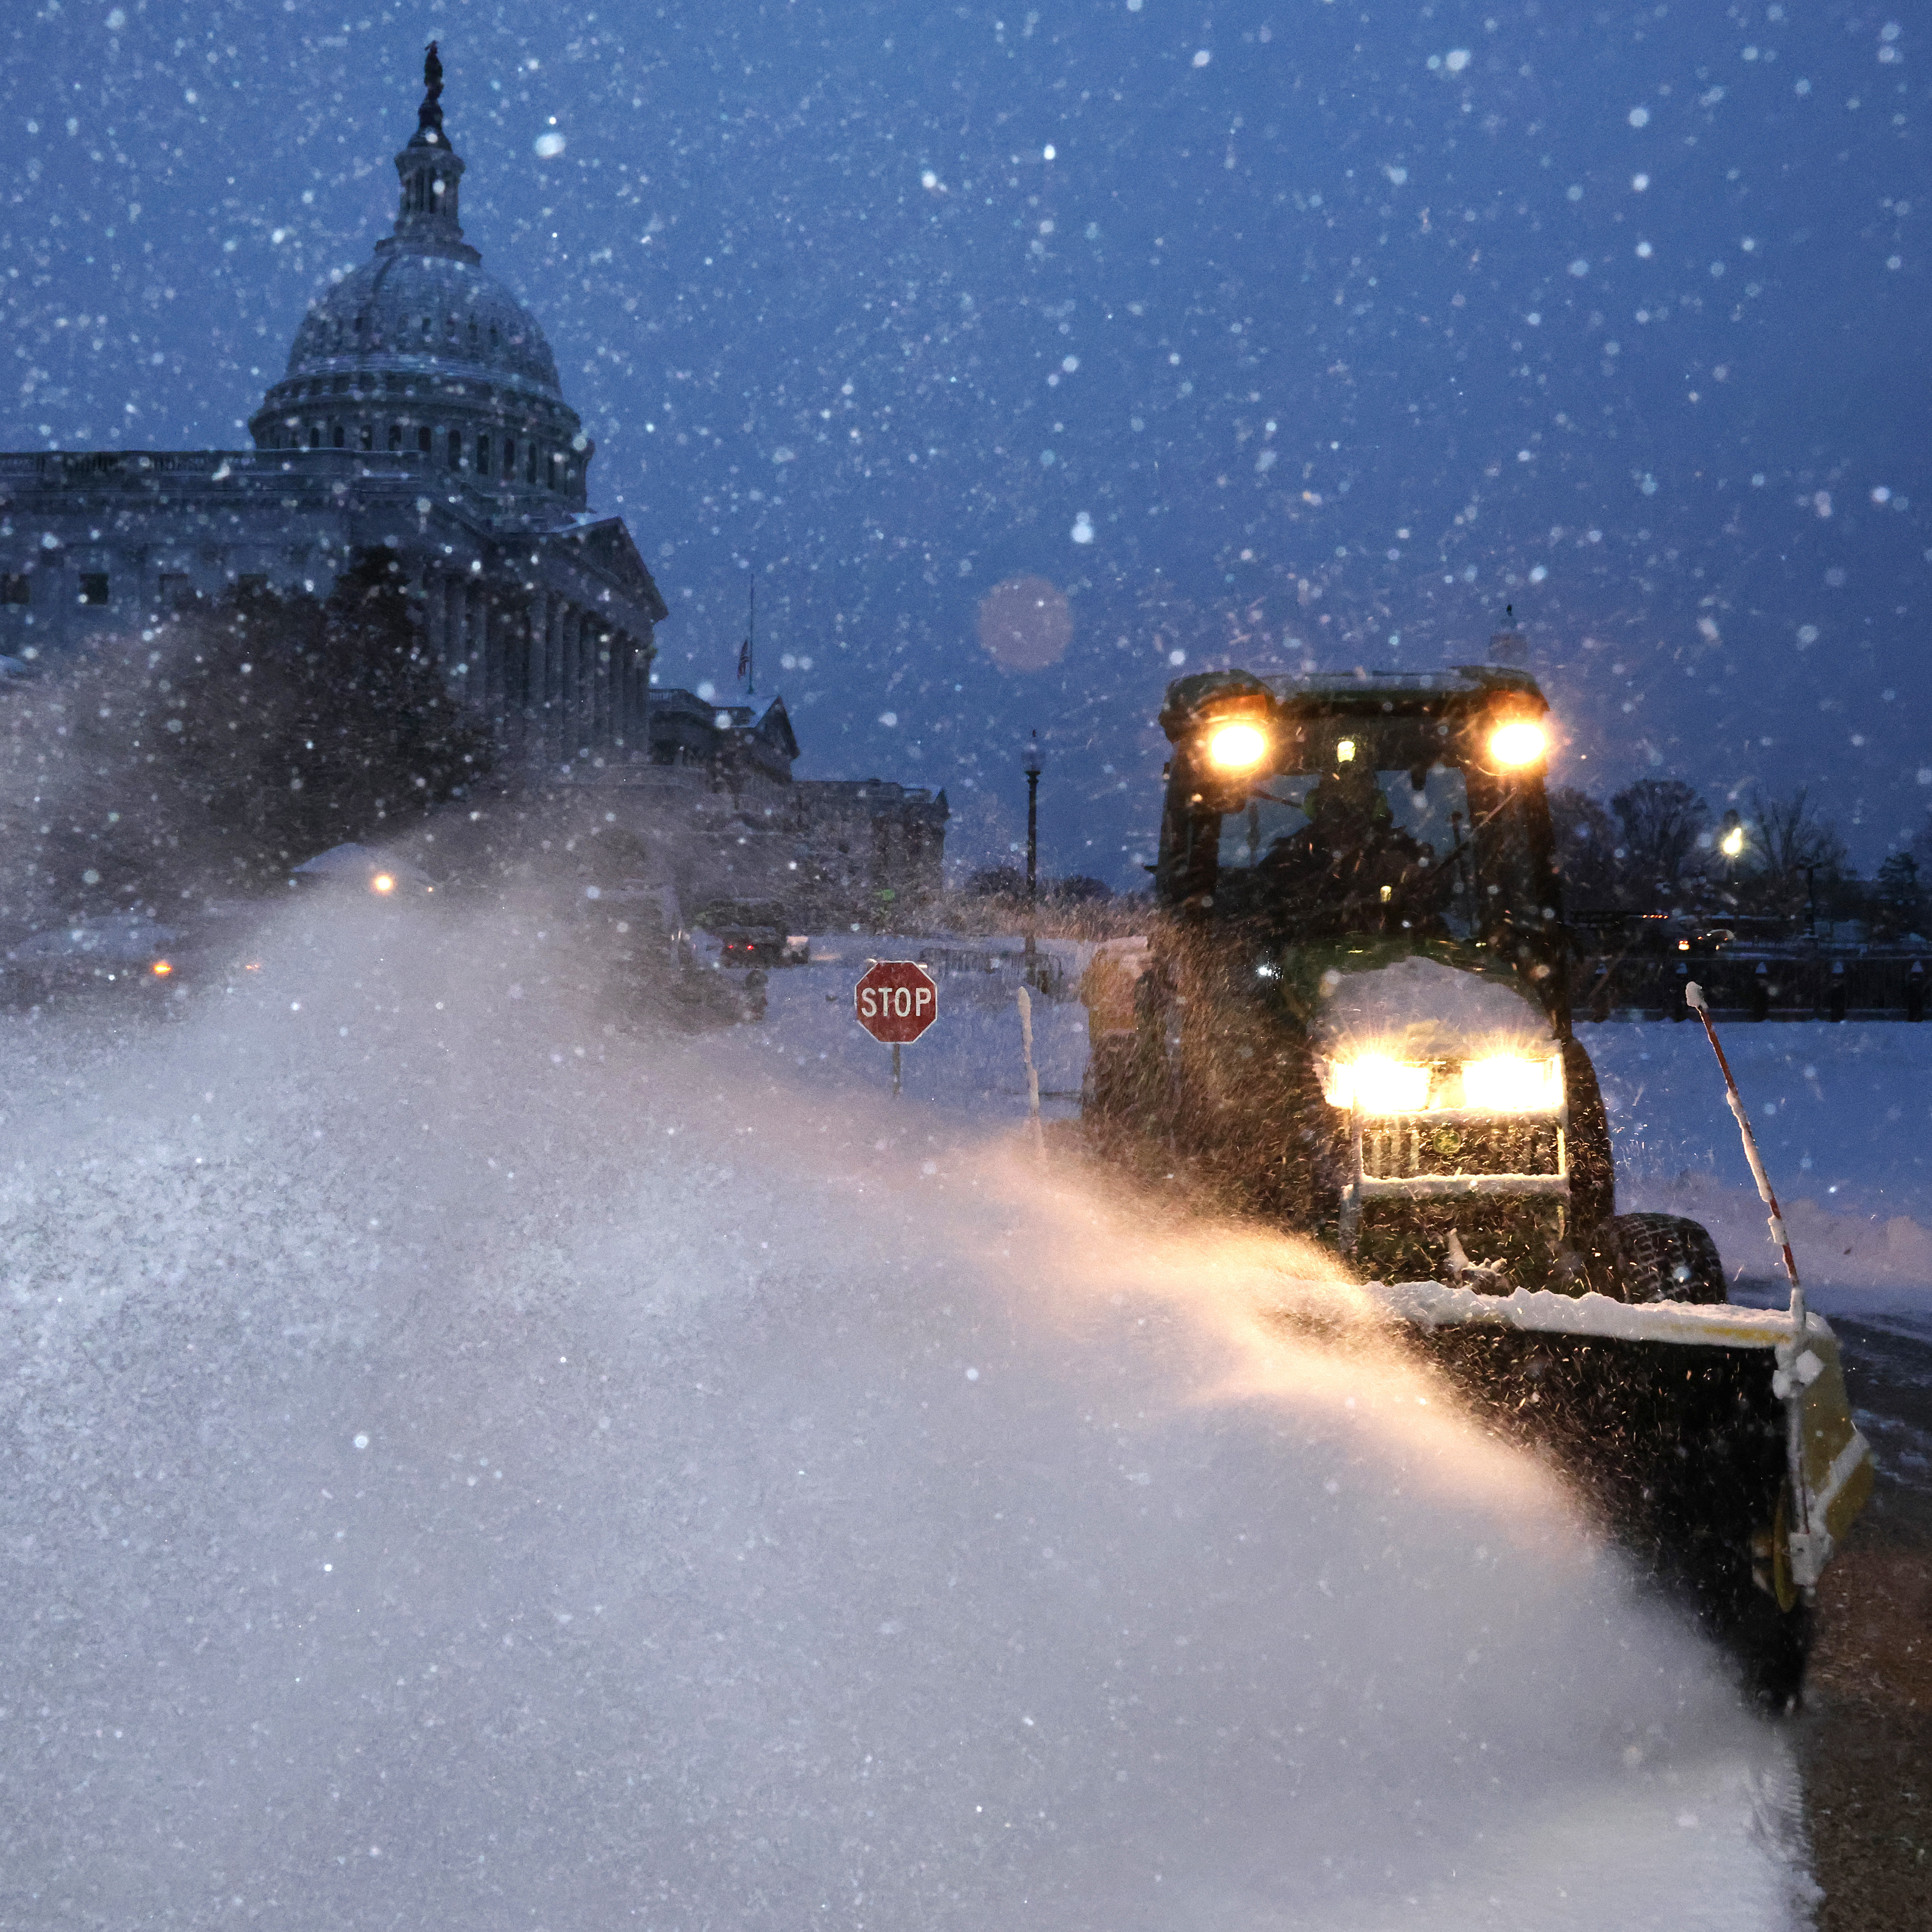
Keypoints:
pixel 1376 1084
pixel 1513 1084
pixel 1237 746
pixel 1521 742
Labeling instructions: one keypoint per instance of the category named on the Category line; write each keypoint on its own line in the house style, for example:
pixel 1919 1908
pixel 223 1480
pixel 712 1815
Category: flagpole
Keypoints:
pixel 751 641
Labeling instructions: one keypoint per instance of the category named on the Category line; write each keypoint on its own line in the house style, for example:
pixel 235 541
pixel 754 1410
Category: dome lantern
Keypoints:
pixel 431 174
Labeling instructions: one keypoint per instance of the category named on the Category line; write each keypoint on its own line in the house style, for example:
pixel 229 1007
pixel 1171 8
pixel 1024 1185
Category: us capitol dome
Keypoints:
pixel 420 412
pixel 421 349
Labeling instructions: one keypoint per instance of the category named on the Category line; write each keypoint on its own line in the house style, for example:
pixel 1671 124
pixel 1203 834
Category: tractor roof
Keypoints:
pixel 1346 691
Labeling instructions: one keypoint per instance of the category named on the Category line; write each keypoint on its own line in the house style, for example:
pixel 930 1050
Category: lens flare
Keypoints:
pixel 1237 748
pixel 1519 742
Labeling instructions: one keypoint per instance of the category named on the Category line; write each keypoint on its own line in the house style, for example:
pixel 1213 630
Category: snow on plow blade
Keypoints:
pixel 1682 1423
pixel 1838 1463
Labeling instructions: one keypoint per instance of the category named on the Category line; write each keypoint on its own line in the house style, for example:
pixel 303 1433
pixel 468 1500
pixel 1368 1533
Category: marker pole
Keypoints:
pixel 1032 1071
pixel 1799 1534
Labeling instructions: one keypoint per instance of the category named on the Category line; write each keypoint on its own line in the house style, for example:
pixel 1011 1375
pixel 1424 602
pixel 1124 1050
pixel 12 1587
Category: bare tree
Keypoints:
pixel 1898 901
pixel 1787 845
pixel 1921 849
pixel 1589 848
pixel 1662 821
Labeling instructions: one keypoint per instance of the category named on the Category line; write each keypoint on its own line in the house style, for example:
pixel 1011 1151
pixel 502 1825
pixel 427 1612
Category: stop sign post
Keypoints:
pixel 895 1000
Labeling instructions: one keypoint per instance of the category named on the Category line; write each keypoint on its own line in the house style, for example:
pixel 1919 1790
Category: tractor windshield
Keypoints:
pixel 1381 828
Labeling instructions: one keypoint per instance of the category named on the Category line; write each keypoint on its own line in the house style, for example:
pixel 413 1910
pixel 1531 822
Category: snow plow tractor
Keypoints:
pixel 1351 1019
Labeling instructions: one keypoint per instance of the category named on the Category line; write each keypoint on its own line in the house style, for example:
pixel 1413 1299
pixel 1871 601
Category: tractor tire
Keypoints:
pixel 1645 1257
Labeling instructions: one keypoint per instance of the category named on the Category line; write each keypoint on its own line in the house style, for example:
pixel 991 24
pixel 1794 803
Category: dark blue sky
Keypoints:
pixel 1329 327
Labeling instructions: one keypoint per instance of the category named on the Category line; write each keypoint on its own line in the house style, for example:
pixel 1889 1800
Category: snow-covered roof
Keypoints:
pixel 113 939
pixel 360 863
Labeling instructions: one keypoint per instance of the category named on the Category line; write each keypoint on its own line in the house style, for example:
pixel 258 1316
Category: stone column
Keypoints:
pixel 484 678
pixel 459 639
pixel 554 671
pixel 536 679
pixel 603 648
pixel 583 668
pixel 568 628
pixel 452 634
pixel 622 694
pixel 433 621
pixel 641 700
pixel 513 647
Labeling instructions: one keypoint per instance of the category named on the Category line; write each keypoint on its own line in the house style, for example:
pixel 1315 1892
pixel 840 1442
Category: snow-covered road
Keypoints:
pixel 466 1466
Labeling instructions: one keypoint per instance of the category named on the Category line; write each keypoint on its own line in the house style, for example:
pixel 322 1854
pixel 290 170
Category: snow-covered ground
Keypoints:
pixel 470 1465
pixel 970 1064
pixel 1844 1114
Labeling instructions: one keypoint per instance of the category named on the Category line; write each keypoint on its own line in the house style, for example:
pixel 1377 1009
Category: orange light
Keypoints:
pixel 383 882
pixel 1521 742
pixel 161 969
pixel 1237 747
pixel 1512 1083
pixel 1377 1085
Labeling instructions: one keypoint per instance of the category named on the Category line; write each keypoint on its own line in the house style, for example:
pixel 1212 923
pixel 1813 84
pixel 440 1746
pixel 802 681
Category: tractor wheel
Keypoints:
pixel 1640 1257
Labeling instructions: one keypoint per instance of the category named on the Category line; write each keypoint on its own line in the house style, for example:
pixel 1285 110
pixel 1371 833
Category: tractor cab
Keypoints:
pixel 1392 812
pixel 1357 1013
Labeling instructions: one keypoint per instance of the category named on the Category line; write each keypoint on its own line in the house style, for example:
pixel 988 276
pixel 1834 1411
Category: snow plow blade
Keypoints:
pixel 1682 1423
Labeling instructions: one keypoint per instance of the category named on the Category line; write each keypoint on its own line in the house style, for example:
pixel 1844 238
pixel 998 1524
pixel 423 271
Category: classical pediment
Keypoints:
pixel 604 545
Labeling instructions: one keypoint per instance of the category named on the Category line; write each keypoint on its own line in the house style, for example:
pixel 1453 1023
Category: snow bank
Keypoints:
pixel 1842 1113
pixel 470 1466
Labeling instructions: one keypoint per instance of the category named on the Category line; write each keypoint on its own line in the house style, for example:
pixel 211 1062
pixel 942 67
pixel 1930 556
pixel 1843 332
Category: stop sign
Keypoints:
pixel 897 999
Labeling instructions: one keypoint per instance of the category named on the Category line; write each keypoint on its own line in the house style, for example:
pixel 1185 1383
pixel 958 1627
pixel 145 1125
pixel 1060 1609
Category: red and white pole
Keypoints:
pixel 1794 1382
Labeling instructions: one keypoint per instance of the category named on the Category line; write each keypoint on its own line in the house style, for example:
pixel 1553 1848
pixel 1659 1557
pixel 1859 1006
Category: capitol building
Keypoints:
pixel 420 412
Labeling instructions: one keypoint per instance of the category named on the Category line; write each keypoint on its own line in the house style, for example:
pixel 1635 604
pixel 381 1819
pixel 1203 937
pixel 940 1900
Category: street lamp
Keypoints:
pixel 1032 770
pixel 1731 843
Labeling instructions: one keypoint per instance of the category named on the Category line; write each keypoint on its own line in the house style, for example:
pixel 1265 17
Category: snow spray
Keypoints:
pixel 463 1445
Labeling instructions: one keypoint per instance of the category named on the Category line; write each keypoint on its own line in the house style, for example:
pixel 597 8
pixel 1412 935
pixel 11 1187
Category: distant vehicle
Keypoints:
pixel 751 932
pixel 131 954
pixel 638 926
pixel 364 869
pixel 127 951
